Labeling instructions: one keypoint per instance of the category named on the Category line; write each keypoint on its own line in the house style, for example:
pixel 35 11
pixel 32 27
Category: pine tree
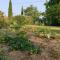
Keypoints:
pixel 10 9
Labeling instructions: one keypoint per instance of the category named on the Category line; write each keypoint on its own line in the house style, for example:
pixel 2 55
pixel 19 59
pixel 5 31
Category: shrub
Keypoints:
pixel 23 20
pixel 2 57
pixel 42 32
pixel 20 42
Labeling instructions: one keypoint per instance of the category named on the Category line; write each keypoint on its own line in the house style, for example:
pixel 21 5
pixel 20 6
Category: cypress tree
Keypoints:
pixel 10 9
pixel 22 11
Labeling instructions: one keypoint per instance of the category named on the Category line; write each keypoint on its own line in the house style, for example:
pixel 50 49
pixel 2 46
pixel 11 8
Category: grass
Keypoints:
pixel 35 27
pixel 45 31
pixel 51 27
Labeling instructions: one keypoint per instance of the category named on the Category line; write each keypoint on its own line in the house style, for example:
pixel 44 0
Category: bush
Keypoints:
pixel 42 32
pixel 20 42
pixel 2 57
pixel 23 20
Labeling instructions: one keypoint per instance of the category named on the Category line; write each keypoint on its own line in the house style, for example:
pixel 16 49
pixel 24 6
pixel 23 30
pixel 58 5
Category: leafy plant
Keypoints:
pixel 2 57
pixel 21 42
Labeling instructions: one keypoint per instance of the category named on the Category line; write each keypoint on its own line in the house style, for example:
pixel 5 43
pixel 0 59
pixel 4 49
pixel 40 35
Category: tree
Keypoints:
pixel 22 11
pixel 33 12
pixel 1 19
pixel 53 12
pixel 53 2
pixel 10 9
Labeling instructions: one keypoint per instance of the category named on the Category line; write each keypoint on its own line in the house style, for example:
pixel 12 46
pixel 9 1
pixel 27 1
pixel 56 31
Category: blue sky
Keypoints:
pixel 17 4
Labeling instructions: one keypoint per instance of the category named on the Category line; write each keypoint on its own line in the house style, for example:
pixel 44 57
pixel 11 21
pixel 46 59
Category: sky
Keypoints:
pixel 17 5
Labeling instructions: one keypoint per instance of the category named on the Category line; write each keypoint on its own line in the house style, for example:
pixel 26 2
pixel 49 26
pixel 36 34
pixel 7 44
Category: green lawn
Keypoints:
pixel 51 27
pixel 34 27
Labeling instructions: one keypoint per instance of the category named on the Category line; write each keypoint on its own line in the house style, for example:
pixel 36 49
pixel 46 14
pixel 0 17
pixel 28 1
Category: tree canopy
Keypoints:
pixel 53 12
pixel 33 12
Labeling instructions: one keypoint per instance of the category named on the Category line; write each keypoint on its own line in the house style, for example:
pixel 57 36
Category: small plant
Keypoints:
pixel 53 35
pixel 21 42
pixel 42 32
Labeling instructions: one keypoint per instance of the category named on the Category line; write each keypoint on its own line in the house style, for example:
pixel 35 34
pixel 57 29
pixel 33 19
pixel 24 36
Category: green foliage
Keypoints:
pixel 4 21
pixel 23 20
pixel 2 53
pixel 45 33
pixel 10 9
pixel 20 42
pixel 53 12
pixel 33 12
pixel 1 19
pixel 2 57
pixel 40 33
pixel 52 2
pixel 22 11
